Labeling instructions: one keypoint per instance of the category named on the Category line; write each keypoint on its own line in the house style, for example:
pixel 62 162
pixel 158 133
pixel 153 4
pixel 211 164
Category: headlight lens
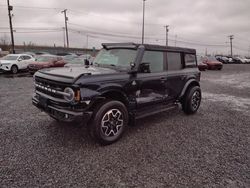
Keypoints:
pixel 71 94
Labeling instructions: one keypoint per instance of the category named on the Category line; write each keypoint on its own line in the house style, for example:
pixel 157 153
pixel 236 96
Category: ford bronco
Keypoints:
pixel 127 81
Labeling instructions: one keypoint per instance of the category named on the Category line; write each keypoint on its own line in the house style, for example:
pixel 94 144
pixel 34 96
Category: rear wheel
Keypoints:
pixel 14 69
pixel 109 121
pixel 192 100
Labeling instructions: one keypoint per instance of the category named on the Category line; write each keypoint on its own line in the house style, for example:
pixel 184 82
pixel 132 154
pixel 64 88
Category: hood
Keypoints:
pixel 74 72
pixel 6 61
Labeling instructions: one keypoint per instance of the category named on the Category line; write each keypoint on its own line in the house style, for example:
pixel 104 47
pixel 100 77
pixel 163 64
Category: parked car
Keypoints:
pixel 212 63
pixel 240 60
pixel 201 66
pixel 69 57
pixel 45 61
pixel 126 82
pixel 79 61
pixel 42 53
pixel 15 62
pixel 222 59
pixel 30 53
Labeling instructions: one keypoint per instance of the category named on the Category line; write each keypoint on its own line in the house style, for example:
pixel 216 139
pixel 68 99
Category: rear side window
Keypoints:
pixel 26 57
pixel 174 61
pixel 190 60
pixel 155 60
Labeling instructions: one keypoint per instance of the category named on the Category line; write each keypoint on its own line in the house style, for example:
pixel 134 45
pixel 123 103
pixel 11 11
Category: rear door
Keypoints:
pixel 175 75
pixel 28 60
pixel 21 62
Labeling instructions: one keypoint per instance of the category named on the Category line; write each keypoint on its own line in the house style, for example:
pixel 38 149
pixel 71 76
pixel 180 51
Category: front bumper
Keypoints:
pixel 5 67
pixel 59 113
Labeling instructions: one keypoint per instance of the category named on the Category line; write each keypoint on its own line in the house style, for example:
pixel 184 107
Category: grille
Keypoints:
pixel 50 87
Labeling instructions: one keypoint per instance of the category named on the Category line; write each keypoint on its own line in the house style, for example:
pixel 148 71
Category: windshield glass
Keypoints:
pixel 10 57
pixel 45 58
pixel 116 58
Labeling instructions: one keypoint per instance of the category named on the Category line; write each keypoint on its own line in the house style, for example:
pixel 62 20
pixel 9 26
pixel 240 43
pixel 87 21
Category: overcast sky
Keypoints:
pixel 197 24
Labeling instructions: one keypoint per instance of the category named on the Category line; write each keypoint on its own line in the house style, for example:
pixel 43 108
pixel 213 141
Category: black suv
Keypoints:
pixel 127 81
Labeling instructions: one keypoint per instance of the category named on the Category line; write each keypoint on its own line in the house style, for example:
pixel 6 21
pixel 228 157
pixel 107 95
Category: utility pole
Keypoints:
pixel 167 30
pixel 64 45
pixel 87 40
pixel 10 8
pixel 249 52
pixel 66 25
pixel 175 40
pixel 143 20
pixel 231 37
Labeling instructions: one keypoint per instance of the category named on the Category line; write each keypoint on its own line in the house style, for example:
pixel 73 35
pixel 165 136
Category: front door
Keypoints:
pixel 151 80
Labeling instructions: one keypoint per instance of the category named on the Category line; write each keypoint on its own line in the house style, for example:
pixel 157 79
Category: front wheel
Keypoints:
pixel 14 69
pixel 109 121
pixel 192 99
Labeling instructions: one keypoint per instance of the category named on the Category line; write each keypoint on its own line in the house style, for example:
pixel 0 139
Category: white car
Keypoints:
pixel 15 62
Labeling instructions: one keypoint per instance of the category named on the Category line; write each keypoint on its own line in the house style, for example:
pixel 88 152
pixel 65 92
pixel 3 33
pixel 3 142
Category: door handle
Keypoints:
pixel 163 79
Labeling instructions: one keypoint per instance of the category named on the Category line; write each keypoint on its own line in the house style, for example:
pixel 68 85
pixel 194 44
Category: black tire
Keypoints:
pixel 109 121
pixel 14 69
pixel 192 99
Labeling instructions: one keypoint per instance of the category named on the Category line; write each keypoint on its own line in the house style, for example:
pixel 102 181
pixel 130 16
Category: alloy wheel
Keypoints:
pixel 112 123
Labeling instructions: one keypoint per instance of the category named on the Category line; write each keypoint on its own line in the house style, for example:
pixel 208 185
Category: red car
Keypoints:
pixel 45 61
pixel 212 63
pixel 201 66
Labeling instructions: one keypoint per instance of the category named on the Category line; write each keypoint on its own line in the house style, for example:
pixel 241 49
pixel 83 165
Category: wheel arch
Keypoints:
pixel 116 94
pixel 190 83
pixel 111 94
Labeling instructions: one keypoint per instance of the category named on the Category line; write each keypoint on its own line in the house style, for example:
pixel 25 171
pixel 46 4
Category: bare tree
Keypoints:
pixel 5 43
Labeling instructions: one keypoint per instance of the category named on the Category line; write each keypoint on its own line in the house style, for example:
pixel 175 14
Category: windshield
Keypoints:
pixel 116 58
pixel 45 58
pixel 10 57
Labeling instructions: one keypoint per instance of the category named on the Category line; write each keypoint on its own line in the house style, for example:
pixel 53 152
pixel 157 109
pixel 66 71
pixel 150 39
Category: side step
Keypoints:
pixel 154 110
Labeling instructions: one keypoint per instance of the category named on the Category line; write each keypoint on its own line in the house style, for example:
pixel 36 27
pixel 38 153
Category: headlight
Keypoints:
pixel 71 94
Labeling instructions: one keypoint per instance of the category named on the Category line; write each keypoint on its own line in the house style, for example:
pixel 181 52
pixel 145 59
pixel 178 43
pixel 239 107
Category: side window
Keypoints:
pixel 155 60
pixel 174 61
pixel 21 58
pixel 26 57
pixel 190 60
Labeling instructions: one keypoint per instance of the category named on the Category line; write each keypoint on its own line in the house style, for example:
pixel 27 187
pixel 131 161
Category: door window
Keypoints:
pixel 174 61
pixel 154 60
pixel 26 57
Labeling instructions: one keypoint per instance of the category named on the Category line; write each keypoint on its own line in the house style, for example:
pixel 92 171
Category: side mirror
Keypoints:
pixel 144 67
pixel 132 65
pixel 132 71
pixel 19 59
pixel 86 62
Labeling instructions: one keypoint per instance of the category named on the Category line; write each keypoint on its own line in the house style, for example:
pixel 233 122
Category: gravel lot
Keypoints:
pixel 208 149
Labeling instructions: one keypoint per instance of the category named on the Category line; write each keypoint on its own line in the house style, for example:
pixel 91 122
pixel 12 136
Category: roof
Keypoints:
pixel 148 47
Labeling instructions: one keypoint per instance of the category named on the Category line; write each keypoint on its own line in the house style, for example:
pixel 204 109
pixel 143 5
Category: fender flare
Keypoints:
pixel 185 88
